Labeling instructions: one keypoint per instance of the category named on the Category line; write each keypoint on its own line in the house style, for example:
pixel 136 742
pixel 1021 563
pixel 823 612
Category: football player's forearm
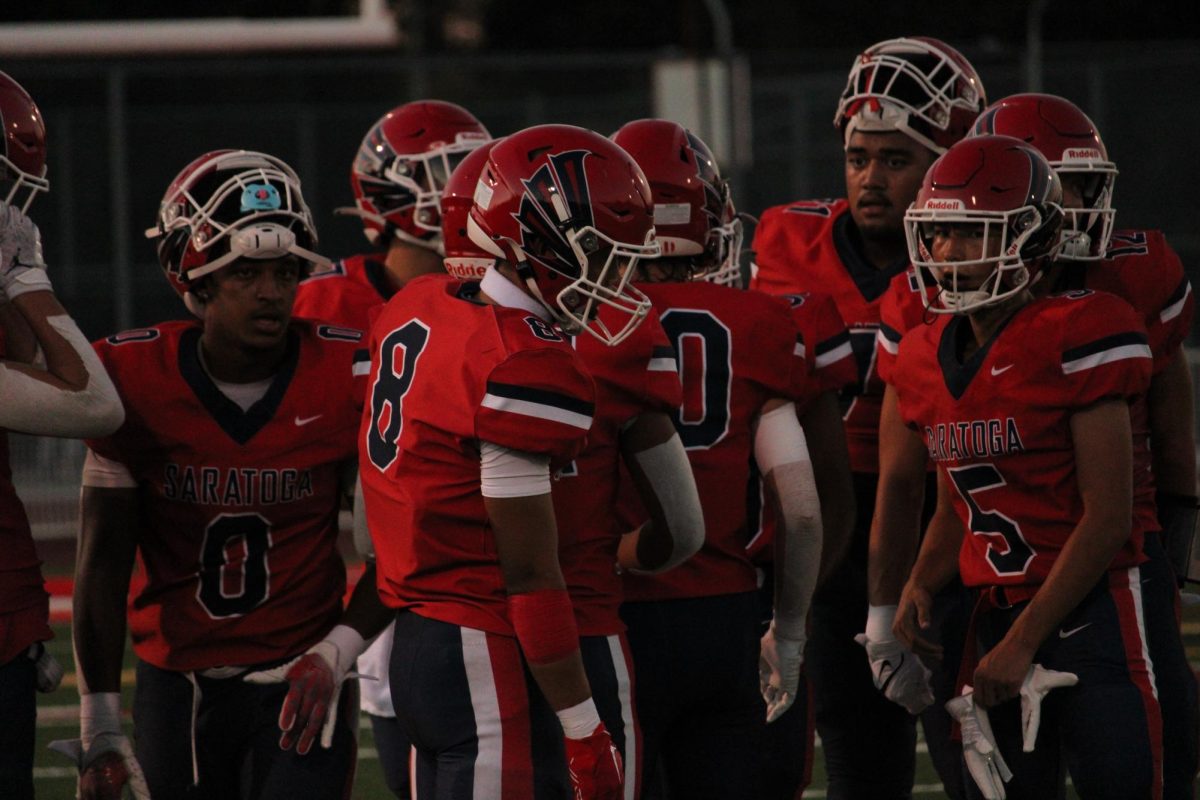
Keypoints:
pixel 563 682
pixel 1172 428
pixel 792 490
pixel 103 566
pixel 937 560
pixel 822 425
pixel 20 345
pixel 365 612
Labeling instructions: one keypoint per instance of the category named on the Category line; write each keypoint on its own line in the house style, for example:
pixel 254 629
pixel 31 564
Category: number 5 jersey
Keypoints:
pixel 998 424
pixel 238 535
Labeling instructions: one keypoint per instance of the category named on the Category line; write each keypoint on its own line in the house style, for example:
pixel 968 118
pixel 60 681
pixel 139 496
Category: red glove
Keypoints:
pixel 595 766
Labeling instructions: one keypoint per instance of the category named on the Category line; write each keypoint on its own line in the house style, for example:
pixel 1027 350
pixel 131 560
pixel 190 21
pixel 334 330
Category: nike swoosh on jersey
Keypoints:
pixel 301 421
pixel 1064 634
pixel 998 371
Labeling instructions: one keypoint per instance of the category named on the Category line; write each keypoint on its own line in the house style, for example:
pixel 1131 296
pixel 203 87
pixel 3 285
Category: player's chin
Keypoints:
pixel 878 223
pixel 265 332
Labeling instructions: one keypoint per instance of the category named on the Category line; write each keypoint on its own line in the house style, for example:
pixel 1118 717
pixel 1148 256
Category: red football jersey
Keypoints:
pixel 636 376
pixel 239 509
pixel 808 247
pixel 446 373
pixel 902 308
pixel 24 603
pixel 736 351
pixel 346 294
pixel 825 348
pixel 998 425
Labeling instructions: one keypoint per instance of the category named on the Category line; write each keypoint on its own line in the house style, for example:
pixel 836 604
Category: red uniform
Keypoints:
pixel 636 376
pixel 239 540
pixel 448 372
pixel 346 294
pixel 824 344
pixel 24 603
pixel 807 247
pixel 736 351
pixel 998 426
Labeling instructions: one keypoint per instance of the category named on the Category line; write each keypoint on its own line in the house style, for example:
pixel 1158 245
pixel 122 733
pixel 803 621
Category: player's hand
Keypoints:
pixel 1039 682
pixel 1001 673
pixel 22 268
pixel 108 771
pixel 913 619
pixel 779 663
pixel 983 758
pixel 49 671
pixel 314 685
pixel 595 766
pixel 898 673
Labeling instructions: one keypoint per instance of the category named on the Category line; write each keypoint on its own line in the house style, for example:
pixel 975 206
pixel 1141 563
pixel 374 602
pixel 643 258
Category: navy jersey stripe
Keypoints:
pixel 833 343
pixel 1100 345
pixel 542 397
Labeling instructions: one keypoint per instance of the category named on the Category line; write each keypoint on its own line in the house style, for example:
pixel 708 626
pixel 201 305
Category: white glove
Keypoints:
pixel 984 761
pixel 779 663
pixel 22 268
pixel 49 671
pixel 314 687
pixel 108 771
pixel 899 674
pixel 1039 681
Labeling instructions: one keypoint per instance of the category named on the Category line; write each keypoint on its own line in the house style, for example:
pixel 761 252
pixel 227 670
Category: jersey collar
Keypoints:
pixel 506 293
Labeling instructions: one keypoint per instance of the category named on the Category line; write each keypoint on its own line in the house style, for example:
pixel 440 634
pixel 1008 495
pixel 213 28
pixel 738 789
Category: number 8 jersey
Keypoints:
pixel 239 508
pixel 998 424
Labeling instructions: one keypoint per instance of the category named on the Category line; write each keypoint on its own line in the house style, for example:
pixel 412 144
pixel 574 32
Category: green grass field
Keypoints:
pixel 58 718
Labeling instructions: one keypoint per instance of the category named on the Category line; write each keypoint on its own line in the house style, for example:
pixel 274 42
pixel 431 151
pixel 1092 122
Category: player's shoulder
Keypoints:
pixel 801 214
pixel 1088 307
pixel 138 343
pixel 348 269
pixel 325 338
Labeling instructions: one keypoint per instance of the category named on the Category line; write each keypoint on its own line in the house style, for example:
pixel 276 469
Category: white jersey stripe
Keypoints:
pixel 799 350
pixel 833 356
pixel 662 365
pixel 887 344
pixel 481 682
pixel 1175 309
pixel 1119 353
pixel 528 408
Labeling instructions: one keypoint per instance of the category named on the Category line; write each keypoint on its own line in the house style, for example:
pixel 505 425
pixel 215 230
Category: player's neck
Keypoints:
pixel 231 362
pixel 405 262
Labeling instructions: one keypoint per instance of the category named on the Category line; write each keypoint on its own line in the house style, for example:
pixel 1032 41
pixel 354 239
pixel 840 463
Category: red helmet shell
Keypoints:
pixel 22 144
pixel 403 164
pixel 464 259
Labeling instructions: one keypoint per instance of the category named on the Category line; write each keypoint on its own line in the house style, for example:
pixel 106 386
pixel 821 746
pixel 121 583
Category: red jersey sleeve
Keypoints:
pixel 777 354
pixel 1173 323
pixel 1104 350
pixel 825 342
pixel 538 400
pixel 660 369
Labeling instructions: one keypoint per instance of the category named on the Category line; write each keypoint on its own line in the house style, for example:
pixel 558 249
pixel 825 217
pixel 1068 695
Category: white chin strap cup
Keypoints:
pixel 260 241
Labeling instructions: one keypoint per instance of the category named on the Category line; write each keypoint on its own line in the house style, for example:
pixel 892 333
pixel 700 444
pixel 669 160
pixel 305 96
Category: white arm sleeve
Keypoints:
pixel 670 476
pixel 104 473
pixel 512 473
pixel 782 455
pixel 32 406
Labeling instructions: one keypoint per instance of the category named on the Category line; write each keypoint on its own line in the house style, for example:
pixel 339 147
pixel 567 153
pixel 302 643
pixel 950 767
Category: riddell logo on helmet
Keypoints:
pixel 1081 154
pixel 944 205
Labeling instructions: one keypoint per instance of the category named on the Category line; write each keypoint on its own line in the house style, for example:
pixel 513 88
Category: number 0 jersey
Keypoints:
pixel 448 372
pixel 998 424
pixel 239 509
pixel 809 247
pixel 636 376
pixel 736 351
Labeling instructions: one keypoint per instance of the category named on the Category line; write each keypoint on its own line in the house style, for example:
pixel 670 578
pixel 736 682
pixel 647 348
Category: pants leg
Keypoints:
pixel 394 751
pixel 951 618
pixel 18 699
pixel 608 664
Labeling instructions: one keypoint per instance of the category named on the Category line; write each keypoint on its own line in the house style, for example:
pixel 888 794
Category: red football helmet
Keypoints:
pixel 920 86
pixel 22 144
pixel 226 205
pixel 1008 189
pixel 572 213
pixel 402 166
pixel 1070 142
pixel 464 259
pixel 694 215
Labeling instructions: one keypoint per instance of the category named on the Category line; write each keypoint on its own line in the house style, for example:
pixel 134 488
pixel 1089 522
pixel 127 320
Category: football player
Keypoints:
pixel 694 630
pixel 637 389
pixel 69 394
pixel 398 175
pixel 1024 404
pixel 906 100
pixel 225 481
pixel 475 392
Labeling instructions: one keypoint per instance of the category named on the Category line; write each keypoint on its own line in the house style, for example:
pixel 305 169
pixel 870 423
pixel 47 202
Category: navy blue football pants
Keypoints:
pixel 236 741
pixel 18 686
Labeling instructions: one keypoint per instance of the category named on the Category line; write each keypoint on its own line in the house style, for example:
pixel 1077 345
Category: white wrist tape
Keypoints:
pixel 879 623
pixel 512 473
pixel 105 473
pixel 669 473
pixel 34 406
pixel 349 644
pixel 579 721
pixel 99 712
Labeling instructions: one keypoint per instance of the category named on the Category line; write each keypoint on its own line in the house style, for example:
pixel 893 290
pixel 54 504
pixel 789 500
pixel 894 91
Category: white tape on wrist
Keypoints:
pixel 879 623
pixel 580 720
pixel 99 712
